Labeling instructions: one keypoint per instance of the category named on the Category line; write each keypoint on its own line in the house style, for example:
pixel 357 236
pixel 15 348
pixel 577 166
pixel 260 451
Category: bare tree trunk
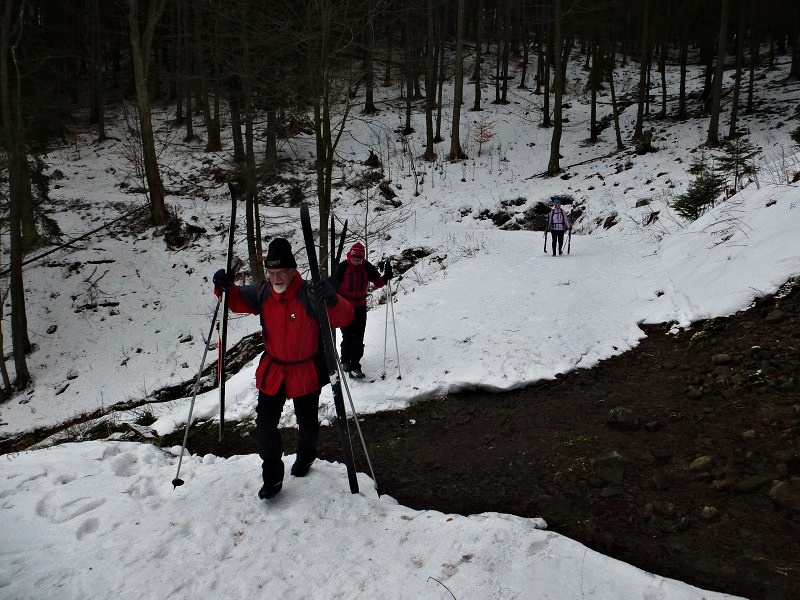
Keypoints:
pixel 10 35
pixel 408 70
pixel 97 56
pixel 478 41
pixel 594 83
pixel 553 165
pixel 440 47
pixel 251 194
pixel 523 85
pixel 191 69
pixel 271 145
pixel 320 76
pixel 644 65
pixel 387 72
pixel 540 58
pixel 612 63
pixel 6 390
pixel 180 69
pixel 235 106
pixel 369 75
pixel 506 55
pixel 430 81
pixel 754 41
pixel 211 119
pixel 141 43
pixel 683 55
pixel 662 69
pixel 456 153
pixel 737 84
pixel 716 90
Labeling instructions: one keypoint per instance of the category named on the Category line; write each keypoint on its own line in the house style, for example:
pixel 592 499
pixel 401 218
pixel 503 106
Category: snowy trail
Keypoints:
pixel 515 318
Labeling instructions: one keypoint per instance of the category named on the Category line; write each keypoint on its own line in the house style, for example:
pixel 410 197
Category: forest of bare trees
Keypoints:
pixel 275 66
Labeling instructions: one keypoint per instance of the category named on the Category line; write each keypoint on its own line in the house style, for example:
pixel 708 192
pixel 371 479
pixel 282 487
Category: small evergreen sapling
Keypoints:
pixel 703 192
pixel 737 161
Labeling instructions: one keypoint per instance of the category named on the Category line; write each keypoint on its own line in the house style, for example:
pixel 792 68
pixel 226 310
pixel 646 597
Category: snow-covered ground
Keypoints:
pixel 487 308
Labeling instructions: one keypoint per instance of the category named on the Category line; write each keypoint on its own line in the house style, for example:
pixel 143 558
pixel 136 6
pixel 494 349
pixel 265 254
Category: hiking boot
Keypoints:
pixel 300 467
pixel 269 490
pixel 356 374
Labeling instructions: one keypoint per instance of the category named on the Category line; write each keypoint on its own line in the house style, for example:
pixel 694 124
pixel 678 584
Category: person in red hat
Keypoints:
pixel 293 362
pixel 351 280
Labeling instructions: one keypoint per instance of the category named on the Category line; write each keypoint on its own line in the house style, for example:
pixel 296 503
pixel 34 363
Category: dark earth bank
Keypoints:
pixel 681 456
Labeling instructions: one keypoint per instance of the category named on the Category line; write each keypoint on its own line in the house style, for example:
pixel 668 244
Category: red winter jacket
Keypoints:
pixel 293 353
pixel 351 281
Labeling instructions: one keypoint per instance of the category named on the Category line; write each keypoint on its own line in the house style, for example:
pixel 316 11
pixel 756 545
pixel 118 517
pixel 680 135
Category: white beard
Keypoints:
pixel 280 288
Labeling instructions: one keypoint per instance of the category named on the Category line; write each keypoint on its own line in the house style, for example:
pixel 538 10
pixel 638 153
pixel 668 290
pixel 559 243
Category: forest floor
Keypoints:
pixel 680 456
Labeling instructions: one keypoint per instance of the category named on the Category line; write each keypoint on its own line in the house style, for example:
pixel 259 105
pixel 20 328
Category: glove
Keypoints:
pixel 388 273
pixel 323 290
pixel 222 280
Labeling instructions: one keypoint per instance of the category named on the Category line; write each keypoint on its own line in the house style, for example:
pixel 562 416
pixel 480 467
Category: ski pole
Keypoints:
pixel 378 489
pixel 386 327
pixel 394 328
pixel 223 332
pixel 178 481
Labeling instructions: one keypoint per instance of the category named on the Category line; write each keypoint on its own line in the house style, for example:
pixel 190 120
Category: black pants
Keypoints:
pixel 270 444
pixel 558 236
pixel 353 339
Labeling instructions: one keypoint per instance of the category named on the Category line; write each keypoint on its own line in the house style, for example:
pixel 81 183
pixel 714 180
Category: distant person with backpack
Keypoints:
pixel 557 223
pixel 293 362
pixel 351 280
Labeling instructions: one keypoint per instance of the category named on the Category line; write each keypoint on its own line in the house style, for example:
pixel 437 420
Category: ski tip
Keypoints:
pixel 177 483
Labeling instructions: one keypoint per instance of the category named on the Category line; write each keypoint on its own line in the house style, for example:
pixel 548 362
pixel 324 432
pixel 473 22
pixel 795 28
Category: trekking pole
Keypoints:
pixel 386 327
pixel 223 330
pixel 394 328
pixel 178 481
pixel 378 489
pixel 545 241
pixel 569 239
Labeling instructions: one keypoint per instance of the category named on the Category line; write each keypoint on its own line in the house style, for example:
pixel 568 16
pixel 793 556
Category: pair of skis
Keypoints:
pixel 337 258
pixel 328 344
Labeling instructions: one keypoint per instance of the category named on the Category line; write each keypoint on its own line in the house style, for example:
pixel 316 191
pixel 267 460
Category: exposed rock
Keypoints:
pixel 622 418
pixel 702 464
pixel 787 494
pixel 776 316
pixel 721 359
pixel 748 484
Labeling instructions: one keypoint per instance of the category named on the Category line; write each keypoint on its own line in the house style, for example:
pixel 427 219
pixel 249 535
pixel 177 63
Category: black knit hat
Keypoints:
pixel 279 255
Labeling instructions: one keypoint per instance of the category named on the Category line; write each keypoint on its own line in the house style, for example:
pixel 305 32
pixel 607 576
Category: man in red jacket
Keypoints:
pixel 293 363
pixel 352 279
